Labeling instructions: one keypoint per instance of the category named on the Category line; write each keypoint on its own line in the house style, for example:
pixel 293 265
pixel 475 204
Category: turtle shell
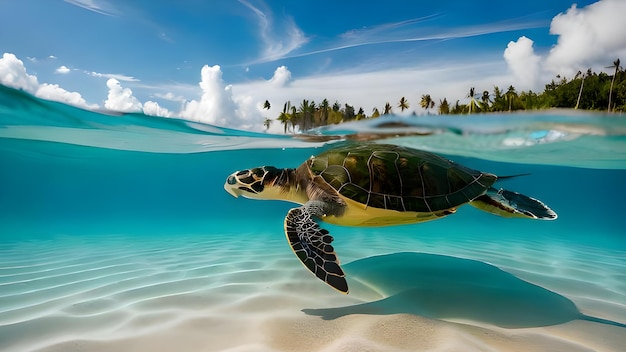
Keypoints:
pixel 398 178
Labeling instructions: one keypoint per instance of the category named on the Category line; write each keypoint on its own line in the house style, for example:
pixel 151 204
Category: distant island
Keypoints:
pixel 586 90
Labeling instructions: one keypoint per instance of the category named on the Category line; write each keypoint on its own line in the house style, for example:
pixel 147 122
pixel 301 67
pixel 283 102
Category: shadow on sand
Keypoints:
pixel 443 287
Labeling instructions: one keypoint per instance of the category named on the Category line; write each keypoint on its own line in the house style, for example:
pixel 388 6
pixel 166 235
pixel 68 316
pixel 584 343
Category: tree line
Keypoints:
pixel 586 90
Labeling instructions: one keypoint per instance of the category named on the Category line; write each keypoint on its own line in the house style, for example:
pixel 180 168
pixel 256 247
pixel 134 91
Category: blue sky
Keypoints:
pixel 151 55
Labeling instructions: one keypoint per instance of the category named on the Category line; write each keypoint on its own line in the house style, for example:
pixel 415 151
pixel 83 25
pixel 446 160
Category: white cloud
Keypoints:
pixel 171 97
pixel 281 77
pixel 98 6
pixel 592 36
pixel 524 63
pixel 589 37
pixel 115 76
pixel 56 93
pixel 250 113
pixel 216 105
pixel 13 74
pixel 240 105
pixel 276 46
pixel 62 70
pixel 413 30
pixel 370 89
pixel 121 99
pixel 152 108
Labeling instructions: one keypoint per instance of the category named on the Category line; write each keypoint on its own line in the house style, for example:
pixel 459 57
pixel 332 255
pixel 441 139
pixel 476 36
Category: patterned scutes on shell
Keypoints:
pixel 397 178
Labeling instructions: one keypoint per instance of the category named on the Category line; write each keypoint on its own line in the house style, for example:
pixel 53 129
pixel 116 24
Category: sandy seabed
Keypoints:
pixel 201 293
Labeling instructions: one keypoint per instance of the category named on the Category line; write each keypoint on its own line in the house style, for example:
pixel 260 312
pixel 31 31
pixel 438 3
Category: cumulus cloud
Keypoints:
pixel 588 37
pixel 56 93
pixel 216 105
pixel 13 74
pixel 62 70
pixel 281 77
pixel 154 109
pixel 121 99
pixel 592 36
pixel 523 62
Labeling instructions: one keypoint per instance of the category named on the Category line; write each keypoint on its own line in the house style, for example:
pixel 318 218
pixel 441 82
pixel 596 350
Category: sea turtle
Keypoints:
pixel 372 185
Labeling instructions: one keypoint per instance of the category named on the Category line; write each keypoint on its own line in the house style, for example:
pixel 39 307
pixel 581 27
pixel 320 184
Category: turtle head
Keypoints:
pixel 258 183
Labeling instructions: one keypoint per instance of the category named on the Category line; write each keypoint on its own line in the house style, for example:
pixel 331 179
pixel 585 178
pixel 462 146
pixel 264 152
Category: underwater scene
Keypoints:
pixel 116 234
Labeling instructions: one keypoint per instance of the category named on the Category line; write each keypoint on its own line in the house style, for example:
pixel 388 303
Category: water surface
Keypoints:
pixel 116 226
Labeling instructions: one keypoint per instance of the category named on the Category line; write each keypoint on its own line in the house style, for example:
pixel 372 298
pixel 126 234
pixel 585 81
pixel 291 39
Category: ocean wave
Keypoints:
pixel 558 137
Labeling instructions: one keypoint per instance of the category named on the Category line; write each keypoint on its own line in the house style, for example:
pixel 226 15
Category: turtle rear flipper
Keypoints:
pixel 513 205
pixel 311 244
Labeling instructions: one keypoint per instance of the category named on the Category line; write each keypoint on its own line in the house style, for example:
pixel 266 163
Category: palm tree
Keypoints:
pixel 427 102
pixel 267 121
pixel 284 116
pixel 324 107
pixel 473 104
pixel 387 109
pixel 582 84
pixel 499 100
pixel 486 100
pixel 303 112
pixel 293 118
pixel 348 112
pixel 457 108
pixel 511 94
pixel 360 114
pixel 403 104
pixel 617 68
pixel 444 107
pixel 375 113
pixel 311 113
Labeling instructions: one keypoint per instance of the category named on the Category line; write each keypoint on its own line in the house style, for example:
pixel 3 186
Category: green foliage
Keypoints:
pixel 472 106
pixel 590 90
pixel 426 102
pixel 387 110
pixel 403 104
pixel 444 107
pixel 619 91
pixel 594 94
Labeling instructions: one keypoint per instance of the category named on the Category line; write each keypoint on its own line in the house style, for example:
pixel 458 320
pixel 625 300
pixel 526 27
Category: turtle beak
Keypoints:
pixel 231 186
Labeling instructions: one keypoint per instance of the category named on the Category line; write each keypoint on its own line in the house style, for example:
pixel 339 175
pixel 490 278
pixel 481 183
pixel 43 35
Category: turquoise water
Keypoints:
pixel 103 216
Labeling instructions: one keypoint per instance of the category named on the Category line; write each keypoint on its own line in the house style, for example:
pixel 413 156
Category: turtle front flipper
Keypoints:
pixel 512 204
pixel 312 245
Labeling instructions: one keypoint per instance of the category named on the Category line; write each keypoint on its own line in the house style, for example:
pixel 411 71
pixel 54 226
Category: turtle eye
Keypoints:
pixel 231 180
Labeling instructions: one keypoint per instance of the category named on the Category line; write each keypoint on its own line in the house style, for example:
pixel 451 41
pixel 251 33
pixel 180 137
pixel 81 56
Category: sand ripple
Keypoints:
pixel 214 293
